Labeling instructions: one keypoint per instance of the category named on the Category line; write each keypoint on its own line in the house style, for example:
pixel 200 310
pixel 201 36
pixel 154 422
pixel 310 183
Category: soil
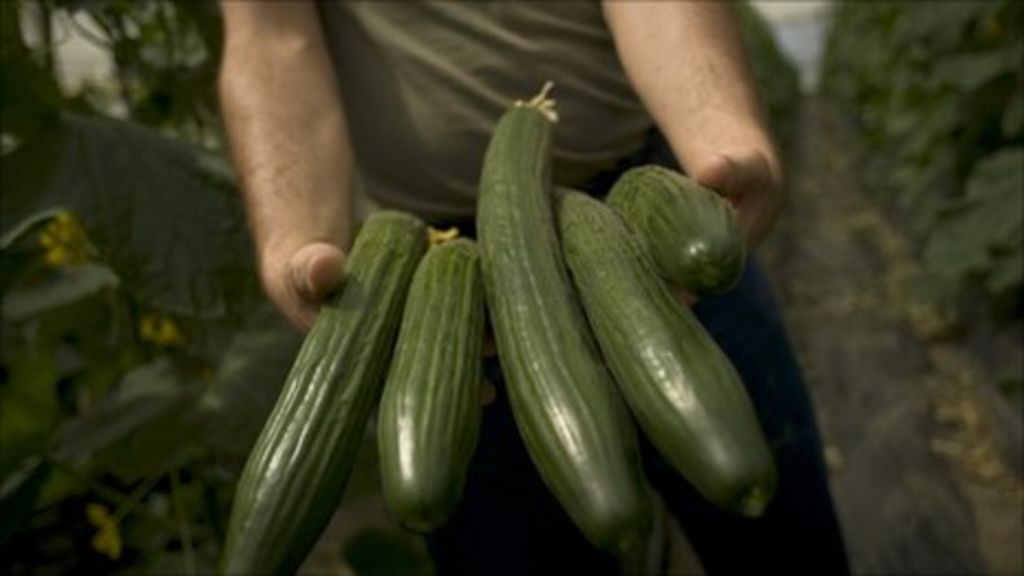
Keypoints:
pixel 923 451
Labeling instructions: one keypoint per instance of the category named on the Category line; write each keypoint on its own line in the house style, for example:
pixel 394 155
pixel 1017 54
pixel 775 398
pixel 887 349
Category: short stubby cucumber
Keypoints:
pixel 692 233
pixel 429 413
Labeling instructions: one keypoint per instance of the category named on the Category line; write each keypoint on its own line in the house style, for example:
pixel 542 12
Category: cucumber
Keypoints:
pixel 679 385
pixel 573 424
pixel 429 413
pixel 691 232
pixel 298 468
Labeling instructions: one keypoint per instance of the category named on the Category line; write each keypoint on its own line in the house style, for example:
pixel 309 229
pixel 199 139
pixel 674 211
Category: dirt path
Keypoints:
pixel 919 469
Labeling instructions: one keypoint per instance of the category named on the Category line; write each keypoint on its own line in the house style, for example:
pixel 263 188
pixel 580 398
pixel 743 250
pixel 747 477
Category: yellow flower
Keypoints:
pixel 991 27
pixel 65 241
pixel 161 331
pixel 107 540
pixel 435 236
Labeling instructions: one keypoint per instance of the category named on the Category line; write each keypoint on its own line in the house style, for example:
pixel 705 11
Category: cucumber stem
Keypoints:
pixel 542 103
pixel 436 237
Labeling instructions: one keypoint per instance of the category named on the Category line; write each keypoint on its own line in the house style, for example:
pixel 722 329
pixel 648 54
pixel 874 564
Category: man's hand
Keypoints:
pixel 686 63
pixel 751 182
pixel 298 279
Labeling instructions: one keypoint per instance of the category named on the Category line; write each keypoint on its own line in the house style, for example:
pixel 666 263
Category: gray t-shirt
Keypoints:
pixel 423 84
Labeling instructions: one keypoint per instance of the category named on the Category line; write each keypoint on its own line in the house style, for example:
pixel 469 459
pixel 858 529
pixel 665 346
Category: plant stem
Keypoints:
pixel 108 494
pixel 130 503
pixel 46 27
pixel 184 532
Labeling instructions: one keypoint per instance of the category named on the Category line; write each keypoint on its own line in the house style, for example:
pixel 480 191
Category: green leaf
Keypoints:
pixel 19 492
pixel 972 70
pixel 65 285
pixel 247 383
pixel 144 427
pixel 170 226
pixel 379 552
pixel 999 180
pixel 1012 122
pixel 27 227
pixel 59 485
pixel 987 220
pixel 28 404
pixel 1007 272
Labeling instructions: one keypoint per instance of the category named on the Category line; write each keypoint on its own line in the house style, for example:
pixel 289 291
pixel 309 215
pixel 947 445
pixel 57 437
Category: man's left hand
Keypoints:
pixel 750 180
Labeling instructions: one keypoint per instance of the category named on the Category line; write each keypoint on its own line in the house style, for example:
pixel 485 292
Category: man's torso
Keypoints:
pixel 424 83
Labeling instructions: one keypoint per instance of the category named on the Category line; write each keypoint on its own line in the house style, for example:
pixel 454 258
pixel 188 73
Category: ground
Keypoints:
pixel 923 457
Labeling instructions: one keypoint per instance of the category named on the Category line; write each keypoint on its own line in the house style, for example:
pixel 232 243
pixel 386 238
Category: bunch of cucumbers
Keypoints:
pixel 584 302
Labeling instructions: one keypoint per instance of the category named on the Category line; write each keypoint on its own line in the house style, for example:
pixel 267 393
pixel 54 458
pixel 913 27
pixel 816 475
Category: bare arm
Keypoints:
pixel 288 137
pixel 687 65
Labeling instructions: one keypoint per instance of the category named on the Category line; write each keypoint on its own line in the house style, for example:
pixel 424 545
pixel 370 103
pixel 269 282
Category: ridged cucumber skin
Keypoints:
pixel 298 468
pixel 572 421
pixel 692 233
pixel 429 415
pixel 680 386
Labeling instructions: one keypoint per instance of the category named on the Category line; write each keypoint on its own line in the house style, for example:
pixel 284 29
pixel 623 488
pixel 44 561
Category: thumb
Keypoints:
pixel 735 175
pixel 717 172
pixel 316 270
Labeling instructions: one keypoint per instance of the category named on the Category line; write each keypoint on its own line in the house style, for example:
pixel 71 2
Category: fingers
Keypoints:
pixel 752 184
pixel 316 270
pixel 298 280
pixel 736 175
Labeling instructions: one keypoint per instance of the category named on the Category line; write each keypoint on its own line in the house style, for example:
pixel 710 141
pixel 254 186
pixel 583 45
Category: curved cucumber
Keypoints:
pixel 682 389
pixel 298 468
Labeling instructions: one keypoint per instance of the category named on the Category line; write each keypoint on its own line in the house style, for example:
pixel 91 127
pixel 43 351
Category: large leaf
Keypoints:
pixel 162 213
pixel 1007 272
pixel 247 383
pixel 63 286
pixel 19 492
pixel 986 223
pixel 146 426
pixel 1012 123
pixel 381 552
pixel 970 71
pixel 28 404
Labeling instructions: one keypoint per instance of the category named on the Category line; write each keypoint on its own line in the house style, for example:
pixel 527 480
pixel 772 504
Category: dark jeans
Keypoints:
pixel 509 523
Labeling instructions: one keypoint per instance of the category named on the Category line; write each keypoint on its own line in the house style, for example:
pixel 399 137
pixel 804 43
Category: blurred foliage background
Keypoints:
pixel 139 359
pixel 937 91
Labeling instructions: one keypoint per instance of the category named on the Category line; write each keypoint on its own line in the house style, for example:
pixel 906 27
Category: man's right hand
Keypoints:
pixel 299 278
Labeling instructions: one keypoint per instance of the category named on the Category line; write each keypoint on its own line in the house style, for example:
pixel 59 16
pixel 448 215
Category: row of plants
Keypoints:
pixel 138 358
pixel 937 91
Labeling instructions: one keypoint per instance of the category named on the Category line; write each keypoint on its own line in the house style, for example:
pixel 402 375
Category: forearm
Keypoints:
pixel 686 63
pixel 286 126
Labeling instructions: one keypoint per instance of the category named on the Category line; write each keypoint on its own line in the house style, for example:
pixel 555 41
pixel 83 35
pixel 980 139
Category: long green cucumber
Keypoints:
pixel 298 468
pixel 575 428
pixel 682 389
pixel 429 413
pixel 691 232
